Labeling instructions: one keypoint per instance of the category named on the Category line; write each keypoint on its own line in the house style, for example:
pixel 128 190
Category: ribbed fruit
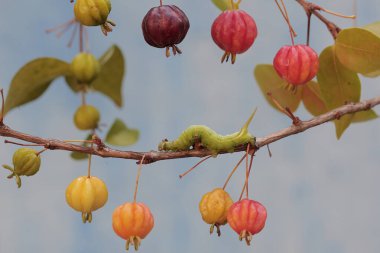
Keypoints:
pixel 86 194
pixel 92 12
pixel 247 217
pixel 26 162
pixel 296 64
pixel 164 27
pixel 214 207
pixel 234 31
pixel 85 67
pixel 132 221
pixel 86 117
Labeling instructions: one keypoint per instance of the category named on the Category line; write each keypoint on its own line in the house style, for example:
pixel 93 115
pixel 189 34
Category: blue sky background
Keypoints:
pixel 322 195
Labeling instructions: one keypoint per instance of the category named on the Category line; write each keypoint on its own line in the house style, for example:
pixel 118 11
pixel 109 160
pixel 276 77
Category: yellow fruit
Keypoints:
pixel 214 208
pixel 85 67
pixel 92 12
pixel 86 117
pixel 86 194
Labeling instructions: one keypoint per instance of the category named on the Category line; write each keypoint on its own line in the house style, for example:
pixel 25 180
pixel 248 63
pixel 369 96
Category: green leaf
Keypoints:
pixel 364 116
pixel 78 155
pixel 312 99
pixel 374 27
pixel 359 50
pixel 111 75
pixel 120 135
pixel 338 85
pixel 222 4
pixel 32 80
pixel 269 81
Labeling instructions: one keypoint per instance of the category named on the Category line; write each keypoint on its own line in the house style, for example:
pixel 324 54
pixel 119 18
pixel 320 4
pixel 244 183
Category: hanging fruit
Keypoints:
pixel 94 13
pixel 85 68
pixel 26 162
pixel 234 31
pixel 86 117
pixel 165 26
pixel 86 194
pixel 214 207
pixel 247 217
pixel 132 221
pixel 296 64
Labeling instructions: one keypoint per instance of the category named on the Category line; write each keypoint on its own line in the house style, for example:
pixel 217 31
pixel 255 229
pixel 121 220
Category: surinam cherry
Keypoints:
pixel 165 26
pixel 26 162
pixel 247 217
pixel 86 117
pixel 94 13
pixel 234 31
pixel 85 68
pixel 214 207
pixel 132 221
pixel 86 194
pixel 296 64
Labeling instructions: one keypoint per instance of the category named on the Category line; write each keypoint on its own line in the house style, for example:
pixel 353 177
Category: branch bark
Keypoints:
pixel 311 8
pixel 153 156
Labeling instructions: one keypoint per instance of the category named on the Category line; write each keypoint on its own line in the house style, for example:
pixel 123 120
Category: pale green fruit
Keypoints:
pixel 85 67
pixel 26 162
pixel 86 117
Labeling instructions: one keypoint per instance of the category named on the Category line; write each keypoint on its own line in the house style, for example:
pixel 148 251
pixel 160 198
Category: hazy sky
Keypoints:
pixel 322 195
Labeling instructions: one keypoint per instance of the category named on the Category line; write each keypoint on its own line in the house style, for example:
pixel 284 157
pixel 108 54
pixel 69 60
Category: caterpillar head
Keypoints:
pixel 162 145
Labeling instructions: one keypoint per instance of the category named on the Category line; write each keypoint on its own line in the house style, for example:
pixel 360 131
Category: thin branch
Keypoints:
pixel 100 149
pixel 311 8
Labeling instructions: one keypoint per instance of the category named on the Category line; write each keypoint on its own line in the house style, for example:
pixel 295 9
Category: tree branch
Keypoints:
pixel 311 8
pixel 153 156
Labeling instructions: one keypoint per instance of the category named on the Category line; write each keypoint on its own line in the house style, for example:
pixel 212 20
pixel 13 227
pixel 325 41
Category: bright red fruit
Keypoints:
pixel 296 64
pixel 165 26
pixel 234 31
pixel 247 217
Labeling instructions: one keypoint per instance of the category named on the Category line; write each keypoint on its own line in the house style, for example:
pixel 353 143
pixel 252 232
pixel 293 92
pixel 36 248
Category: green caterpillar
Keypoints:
pixel 209 139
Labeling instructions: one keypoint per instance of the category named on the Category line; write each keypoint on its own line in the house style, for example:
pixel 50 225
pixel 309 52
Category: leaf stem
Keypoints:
pixel 23 144
pixel 233 171
pixel 196 165
pixel 138 178
pixel 89 162
pixel 2 107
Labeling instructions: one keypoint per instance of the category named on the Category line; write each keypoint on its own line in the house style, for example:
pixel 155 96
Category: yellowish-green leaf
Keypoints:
pixel 120 135
pixel 374 27
pixel 372 74
pixel 222 4
pixel 359 50
pixel 269 82
pixel 364 116
pixel 110 79
pixel 81 156
pixel 338 85
pixel 312 99
pixel 32 80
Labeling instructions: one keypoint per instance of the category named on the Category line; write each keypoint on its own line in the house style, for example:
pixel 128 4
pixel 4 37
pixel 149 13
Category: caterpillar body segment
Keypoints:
pixel 209 139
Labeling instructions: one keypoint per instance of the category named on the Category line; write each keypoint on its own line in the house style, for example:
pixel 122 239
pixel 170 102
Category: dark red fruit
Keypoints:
pixel 234 31
pixel 296 64
pixel 165 26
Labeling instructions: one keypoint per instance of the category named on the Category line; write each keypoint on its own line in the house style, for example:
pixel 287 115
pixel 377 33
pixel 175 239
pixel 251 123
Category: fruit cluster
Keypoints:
pixel 234 31
pixel 246 217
